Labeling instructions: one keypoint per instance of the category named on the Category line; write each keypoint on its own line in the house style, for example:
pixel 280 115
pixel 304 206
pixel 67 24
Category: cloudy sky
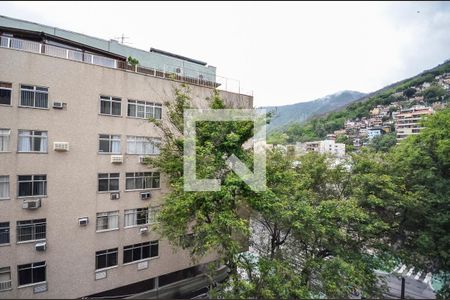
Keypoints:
pixel 284 52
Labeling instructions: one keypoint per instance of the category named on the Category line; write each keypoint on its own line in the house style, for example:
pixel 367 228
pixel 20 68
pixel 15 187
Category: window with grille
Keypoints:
pixel 109 143
pixel 32 141
pixel 32 273
pixel 140 251
pixel 137 216
pixel 143 145
pixel 33 96
pixel 108 182
pixel 5 136
pixel 4 187
pixel 32 185
pixel 142 180
pixel 4 233
pixel 5 278
pixel 31 230
pixel 5 93
pixel 110 106
pixel 106 258
pixel 144 110
pixel 107 220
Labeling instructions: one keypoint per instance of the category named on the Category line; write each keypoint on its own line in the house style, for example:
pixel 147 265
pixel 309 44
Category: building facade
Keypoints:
pixel 328 146
pixel 76 201
pixel 407 121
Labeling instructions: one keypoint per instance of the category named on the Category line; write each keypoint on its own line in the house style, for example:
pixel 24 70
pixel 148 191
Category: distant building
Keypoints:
pixel 373 132
pixel 328 146
pixel 407 121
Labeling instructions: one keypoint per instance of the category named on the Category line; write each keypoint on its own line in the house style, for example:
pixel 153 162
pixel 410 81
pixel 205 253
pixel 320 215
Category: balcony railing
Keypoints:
pixel 5 285
pixel 194 77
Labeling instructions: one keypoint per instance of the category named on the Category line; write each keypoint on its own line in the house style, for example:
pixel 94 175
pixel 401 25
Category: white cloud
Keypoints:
pixel 285 52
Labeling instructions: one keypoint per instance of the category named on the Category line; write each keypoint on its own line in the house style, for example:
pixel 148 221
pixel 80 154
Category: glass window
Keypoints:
pixel 31 273
pixel 4 187
pixel 144 110
pixel 143 145
pixel 33 96
pixel 108 182
pixel 5 278
pixel 107 220
pixel 109 143
pixel 5 93
pixel 31 230
pixel 110 105
pixel 4 139
pixel 32 141
pixel 106 258
pixel 4 233
pixel 137 216
pixel 32 185
pixel 140 251
pixel 142 180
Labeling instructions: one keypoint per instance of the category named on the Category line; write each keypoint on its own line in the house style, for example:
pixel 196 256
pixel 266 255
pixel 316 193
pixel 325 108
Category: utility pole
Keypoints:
pixel 402 294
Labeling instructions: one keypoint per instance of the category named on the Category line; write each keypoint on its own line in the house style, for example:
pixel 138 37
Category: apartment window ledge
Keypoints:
pixel 5 290
pixel 108 153
pixel 135 226
pixel 106 269
pixel 141 260
pixel 6 105
pixel 31 241
pixel 5 245
pixel 32 107
pixel 106 230
pixel 32 197
pixel 5 152
pixel 143 190
pixel 31 152
pixel 107 192
pixel 106 115
pixel 1 199
pixel 150 154
pixel 31 284
pixel 144 119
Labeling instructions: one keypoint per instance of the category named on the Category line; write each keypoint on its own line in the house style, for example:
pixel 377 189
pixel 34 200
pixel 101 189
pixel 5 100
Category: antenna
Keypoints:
pixel 122 38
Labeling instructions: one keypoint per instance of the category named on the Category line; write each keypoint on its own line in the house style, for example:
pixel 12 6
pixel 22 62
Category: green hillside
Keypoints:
pixel 319 127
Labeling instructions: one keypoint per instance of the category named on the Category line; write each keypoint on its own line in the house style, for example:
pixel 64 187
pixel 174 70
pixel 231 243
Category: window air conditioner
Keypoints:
pixel 31 203
pixel 146 195
pixel 142 159
pixel 41 246
pixel 115 196
pixel 116 159
pixel 83 221
pixel 143 230
pixel 61 146
pixel 58 105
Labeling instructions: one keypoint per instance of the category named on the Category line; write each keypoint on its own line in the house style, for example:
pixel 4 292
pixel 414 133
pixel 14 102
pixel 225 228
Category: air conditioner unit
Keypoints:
pixel 143 230
pixel 31 203
pixel 61 146
pixel 41 246
pixel 116 159
pixel 142 159
pixel 83 221
pixel 58 105
pixel 115 196
pixel 145 195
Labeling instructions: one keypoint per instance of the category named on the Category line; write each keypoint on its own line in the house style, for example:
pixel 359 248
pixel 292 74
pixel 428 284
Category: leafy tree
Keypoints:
pixel 434 93
pixel 132 61
pixel 383 142
pixel 409 92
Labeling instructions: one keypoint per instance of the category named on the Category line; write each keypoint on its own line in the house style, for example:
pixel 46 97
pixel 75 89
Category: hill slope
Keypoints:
pixel 300 112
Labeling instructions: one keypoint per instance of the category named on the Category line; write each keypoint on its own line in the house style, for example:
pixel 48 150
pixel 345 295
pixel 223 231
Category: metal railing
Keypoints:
pixel 210 80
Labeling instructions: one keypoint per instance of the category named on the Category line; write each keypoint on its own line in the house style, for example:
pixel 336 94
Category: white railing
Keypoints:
pixel 5 285
pixel 179 73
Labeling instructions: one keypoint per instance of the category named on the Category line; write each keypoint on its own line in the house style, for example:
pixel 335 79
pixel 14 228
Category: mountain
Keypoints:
pixel 300 112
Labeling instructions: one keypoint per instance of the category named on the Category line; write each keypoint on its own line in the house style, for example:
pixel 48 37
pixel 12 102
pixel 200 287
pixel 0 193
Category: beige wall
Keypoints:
pixel 72 176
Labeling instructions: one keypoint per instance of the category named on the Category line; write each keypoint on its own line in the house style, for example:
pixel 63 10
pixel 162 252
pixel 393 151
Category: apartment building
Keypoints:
pixel 76 200
pixel 328 146
pixel 407 121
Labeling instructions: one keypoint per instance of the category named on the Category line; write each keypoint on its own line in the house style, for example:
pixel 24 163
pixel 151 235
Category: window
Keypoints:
pixel 107 220
pixel 5 93
pixel 109 143
pixel 32 141
pixel 110 106
pixel 4 139
pixel 140 181
pixel 32 185
pixel 31 230
pixel 142 145
pixel 106 258
pixel 33 96
pixel 144 110
pixel 140 251
pixel 108 182
pixel 4 233
pixel 138 216
pixel 5 279
pixel 31 273
pixel 4 187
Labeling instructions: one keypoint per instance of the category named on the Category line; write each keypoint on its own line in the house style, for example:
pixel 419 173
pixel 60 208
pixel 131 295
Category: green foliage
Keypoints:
pixel 409 92
pixel 133 61
pixel 383 142
pixel 434 93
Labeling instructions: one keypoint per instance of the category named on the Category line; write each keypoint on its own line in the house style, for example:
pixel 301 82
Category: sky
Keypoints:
pixel 282 52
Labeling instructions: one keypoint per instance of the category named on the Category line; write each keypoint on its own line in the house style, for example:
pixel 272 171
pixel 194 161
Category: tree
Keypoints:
pixel 383 142
pixel 132 61
pixel 409 92
pixel 434 93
